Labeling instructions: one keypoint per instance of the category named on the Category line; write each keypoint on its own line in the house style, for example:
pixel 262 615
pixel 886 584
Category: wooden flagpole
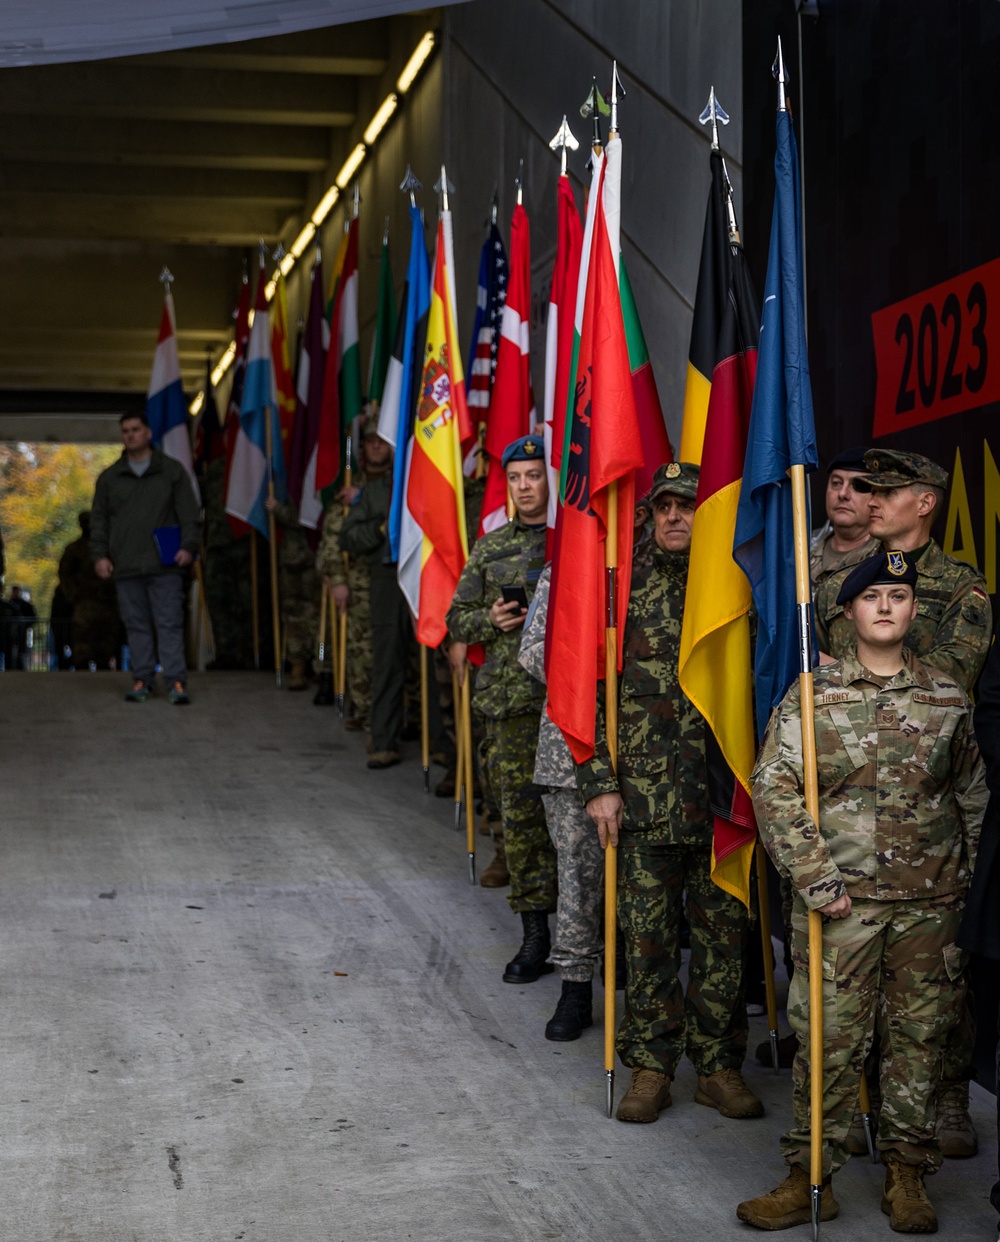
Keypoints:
pixel 425 730
pixel 273 546
pixel 764 914
pixel 456 698
pixel 470 814
pixel 321 642
pixel 254 605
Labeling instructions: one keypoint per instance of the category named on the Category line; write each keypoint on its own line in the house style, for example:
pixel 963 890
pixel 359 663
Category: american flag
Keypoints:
pixel 490 298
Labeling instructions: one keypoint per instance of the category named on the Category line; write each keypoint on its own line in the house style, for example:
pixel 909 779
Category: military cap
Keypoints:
pixel 884 568
pixel 849 459
pixel 895 468
pixel 526 448
pixel 676 478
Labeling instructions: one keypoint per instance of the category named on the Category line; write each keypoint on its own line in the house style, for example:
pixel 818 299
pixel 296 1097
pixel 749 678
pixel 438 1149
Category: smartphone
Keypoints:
pixel 515 595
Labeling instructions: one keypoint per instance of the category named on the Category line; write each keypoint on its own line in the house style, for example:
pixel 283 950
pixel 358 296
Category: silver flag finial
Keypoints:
pixel 617 93
pixel 562 142
pixel 278 254
pixel 781 77
pixel 714 114
pixel 444 187
pixel 166 278
pixel 519 183
pixel 410 185
pixel 356 199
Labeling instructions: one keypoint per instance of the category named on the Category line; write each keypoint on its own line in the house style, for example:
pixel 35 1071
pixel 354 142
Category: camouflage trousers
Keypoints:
pixel 661 1022
pixel 580 859
pixel 300 605
pixel 508 758
pixel 891 961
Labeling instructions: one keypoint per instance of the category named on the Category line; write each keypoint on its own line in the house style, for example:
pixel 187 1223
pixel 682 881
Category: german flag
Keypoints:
pixel 714 280
pixel 716 669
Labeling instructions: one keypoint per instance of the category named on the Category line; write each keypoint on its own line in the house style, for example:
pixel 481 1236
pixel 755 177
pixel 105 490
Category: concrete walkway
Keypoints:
pixel 249 993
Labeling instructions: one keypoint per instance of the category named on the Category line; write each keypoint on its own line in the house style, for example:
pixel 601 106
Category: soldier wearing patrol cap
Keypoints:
pixel 489 607
pixel 951 632
pixel 888 873
pixel 655 809
pixel 844 540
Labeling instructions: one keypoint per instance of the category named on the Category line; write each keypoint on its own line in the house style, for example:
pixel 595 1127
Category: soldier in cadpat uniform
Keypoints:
pixel 509 699
pixel 951 632
pixel 658 801
pixel 901 800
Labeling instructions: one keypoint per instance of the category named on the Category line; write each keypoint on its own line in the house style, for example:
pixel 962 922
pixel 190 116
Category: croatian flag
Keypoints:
pixel 166 409
pixel 258 454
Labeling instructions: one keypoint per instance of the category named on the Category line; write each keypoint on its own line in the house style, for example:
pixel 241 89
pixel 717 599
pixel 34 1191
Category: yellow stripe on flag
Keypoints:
pixel 696 390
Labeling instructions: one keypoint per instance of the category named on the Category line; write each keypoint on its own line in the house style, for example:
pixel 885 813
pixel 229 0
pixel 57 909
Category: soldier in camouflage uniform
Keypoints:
pixel 509 699
pixel 658 799
pixel 844 540
pixel 951 633
pixel 227 576
pixel 578 940
pixel 96 631
pixel 299 586
pixel 901 800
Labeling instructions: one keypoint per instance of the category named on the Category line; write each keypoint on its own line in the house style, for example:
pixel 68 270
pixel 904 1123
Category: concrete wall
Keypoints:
pixel 513 69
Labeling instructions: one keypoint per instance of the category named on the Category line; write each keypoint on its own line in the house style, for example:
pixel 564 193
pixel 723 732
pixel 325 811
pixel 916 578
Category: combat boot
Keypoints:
pixel 383 758
pixel 324 691
pixel 904 1199
pixel 788 1204
pixel 497 874
pixel 297 679
pixel 529 963
pixel 955 1132
pixel 726 1091
pixel 648 1095
pixel 574 1012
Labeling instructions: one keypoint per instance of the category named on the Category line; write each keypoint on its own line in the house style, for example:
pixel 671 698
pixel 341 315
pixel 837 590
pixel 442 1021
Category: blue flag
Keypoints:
pixel 395 424
pixel 782 434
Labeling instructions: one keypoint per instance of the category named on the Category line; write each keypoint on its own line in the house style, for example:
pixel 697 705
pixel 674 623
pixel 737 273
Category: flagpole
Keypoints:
pixel 273 548
pixel 764 914
pixel 456 696
pixel 255 609
pixel 321 643
pixel 425 730
pixel 470 819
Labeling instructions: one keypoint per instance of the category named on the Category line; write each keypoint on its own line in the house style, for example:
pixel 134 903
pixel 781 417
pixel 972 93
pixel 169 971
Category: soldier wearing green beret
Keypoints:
pixel 655 809
pixel 901 800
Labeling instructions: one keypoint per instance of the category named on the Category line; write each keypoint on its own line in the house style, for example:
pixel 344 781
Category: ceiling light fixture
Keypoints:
pixel 415 63
pixel 224 363
pixel 381 118
pixel 194 409
pixel 303 239
pixel 350 166
pixel 325 205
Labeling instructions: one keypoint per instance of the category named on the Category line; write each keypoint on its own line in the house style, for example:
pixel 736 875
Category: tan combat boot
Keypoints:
pixel 788 1204
pixel 954 1130
pixel 297 679
pixel 726 1091
pixel 646 1098
pixel 904 1199
pixel 497 874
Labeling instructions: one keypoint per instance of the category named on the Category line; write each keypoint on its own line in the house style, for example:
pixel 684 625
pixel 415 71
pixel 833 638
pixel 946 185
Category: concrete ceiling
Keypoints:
pixel 111 169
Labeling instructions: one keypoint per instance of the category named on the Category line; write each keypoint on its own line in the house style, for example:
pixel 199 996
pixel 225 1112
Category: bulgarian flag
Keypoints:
pixel 433 548
pixel 342 379
pixel 512 405
pixel 559 341
pixel 603 446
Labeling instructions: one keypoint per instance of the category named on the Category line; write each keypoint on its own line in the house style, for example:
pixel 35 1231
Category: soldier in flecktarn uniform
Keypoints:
pixel 951 633
pixel 658 798
pixel 901 801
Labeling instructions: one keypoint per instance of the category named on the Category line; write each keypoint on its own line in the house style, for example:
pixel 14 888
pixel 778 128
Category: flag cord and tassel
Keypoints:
pixel 254 602
pixel 273 549
pixel 611 729
pixel 425 730
pixel 470 817
pixel 764 914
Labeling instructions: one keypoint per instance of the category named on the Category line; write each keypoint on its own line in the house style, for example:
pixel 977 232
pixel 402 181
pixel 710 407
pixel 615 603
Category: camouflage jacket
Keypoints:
pixel 901 786
pixel 845 560
pixel 294 552
pixel 329 555
pixel 512 555
pixel 553 760
pixel 953 625
pixel 363 532
pixel 661 735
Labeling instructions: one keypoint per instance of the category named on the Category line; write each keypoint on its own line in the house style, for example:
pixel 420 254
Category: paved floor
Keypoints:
pixel 249 993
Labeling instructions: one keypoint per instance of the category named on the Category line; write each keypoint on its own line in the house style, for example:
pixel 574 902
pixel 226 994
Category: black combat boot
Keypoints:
pixel 530 963
pixel 573 1014
pixel 324 692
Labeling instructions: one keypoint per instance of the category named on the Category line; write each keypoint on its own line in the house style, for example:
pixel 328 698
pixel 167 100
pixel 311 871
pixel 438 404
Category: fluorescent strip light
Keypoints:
pixel 325 205
pixel 415 63
pixel 351 165
pixel 194 409
pixel 269 289
pixel 224 363
pixel 380 119
pixel 287 263
pixel 303 239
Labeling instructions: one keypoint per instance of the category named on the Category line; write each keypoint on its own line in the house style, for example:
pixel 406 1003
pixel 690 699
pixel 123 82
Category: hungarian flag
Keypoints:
pixel 342 380
pixel 491 294
pixel 715 659
pixel 308 403
pixel 656 442
pixel 604 446
pixel 241 343
pixel 433 548
pixel 512 405
pixel 281 356
pixel 166 409
pixel 559 340
pixel 714 283
pixel 385 330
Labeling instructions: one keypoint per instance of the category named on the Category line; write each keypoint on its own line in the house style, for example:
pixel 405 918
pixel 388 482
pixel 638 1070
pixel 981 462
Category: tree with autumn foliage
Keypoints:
pixel 42 489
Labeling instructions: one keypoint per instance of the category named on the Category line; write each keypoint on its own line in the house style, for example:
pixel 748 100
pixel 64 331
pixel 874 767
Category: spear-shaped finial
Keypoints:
pixel 494 204
pixel 444 187
pixel 617 92
pixel 166 278
pixel 519 183
pixel 593 106
pixel 716 115
pixel 385 232
pixel 356 200
pixel 564 141
pixel 262 252
pixel 278 254
pixel 781 76
pixel 410 185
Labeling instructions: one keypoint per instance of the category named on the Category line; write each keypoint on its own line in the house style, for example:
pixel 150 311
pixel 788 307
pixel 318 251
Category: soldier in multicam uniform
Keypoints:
pixel 844 539
pixel 578 940
pixel 658 801
pixel 901 799
pixel 509 699
pixel 951 633
pixel 300 588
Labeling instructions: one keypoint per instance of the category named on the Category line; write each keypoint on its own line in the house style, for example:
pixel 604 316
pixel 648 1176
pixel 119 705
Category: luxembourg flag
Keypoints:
pixel 166 409
pixel 258 453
